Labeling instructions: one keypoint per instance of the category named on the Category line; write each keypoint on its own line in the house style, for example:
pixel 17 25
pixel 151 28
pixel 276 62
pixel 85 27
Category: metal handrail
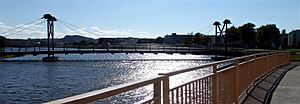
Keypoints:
pixel 205 85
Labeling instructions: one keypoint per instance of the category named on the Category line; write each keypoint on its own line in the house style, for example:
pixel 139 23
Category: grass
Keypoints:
pixel 295 54
pixel 7 56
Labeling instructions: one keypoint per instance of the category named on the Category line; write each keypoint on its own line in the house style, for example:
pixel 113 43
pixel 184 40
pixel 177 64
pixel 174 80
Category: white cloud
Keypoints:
pixel 39 31
pixel 23 31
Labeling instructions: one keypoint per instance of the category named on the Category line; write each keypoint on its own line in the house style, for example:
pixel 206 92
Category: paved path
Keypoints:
pixel 288 91
pixel 261 91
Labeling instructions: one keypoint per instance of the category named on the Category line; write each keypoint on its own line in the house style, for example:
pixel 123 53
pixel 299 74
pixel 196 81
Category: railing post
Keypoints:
pixel 176 48
pixel 214 85
pixel 237 80
pixel 150 47
pixel 93 47
pixel 121 47
pixel 107 47
pixel 78 47
pixel 166 89
pixel 64 47
pixel 157 92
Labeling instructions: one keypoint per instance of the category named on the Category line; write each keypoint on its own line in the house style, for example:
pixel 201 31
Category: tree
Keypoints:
pixel 2 42
pixel 268 36
pixel 188 40
pixel 248 35
pixel 198 38
pixel 159 40
pixel 232 36
pixel 206 40
pixel 82 42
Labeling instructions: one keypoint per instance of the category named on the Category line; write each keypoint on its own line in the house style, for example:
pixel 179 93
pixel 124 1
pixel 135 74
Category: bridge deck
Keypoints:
pixel 141 51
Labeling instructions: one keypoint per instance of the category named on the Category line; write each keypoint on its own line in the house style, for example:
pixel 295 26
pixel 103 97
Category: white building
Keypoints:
pixel 294 38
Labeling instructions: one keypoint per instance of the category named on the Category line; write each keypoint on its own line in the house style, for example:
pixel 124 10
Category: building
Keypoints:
pixel 294 38
pixel 283 40
pixel 118 40
pixel 177 39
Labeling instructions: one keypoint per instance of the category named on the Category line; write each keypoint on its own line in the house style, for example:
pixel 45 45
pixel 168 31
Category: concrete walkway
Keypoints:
pixel 261 91
pixel 288 91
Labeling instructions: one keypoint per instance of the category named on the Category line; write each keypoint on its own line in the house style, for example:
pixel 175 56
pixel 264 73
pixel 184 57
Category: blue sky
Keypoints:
pixel 149 18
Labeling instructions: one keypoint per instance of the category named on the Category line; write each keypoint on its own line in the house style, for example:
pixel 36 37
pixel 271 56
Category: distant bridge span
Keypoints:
pixel 195 51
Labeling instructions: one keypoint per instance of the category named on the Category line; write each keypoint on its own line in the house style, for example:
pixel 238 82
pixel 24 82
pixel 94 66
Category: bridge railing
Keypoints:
pixel 224 85
pixel 110 47
pixel 227 80
pixel 115 90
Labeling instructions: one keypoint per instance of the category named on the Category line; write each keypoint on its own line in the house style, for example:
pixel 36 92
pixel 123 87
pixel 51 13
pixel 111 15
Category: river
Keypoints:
pixel 28 80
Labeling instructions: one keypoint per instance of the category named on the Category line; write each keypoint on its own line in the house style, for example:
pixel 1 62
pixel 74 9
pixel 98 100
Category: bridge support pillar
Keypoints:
pixel 50 32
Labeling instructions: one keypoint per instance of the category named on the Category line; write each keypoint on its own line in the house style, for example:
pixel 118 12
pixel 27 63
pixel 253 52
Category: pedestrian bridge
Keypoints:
pixel 223 85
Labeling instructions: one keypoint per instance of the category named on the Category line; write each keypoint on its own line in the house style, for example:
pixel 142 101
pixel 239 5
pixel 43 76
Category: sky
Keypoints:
pixel 142 18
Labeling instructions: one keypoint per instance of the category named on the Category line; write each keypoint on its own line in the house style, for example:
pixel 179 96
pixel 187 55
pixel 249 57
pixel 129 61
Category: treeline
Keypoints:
pixel 246 36
pixel 199 39
pixel 266 36
pixel 2 42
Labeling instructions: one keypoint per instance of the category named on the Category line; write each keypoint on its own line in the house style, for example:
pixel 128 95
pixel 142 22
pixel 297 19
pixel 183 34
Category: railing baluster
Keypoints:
pixel 202 92
pixel 196 92
pixel 181 94
pixel 177 96
pixel 205 90
pixel 186 94
pixel 190 95
pixel 172 93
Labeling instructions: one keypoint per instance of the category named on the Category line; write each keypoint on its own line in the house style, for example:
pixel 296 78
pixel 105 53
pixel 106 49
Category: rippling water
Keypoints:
pixel 30 81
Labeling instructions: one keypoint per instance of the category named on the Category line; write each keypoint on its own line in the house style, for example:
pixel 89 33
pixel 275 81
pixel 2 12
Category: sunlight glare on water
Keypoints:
pixel 27 81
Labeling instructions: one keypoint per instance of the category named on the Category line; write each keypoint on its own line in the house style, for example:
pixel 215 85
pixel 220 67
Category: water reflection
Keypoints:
pixel 36 82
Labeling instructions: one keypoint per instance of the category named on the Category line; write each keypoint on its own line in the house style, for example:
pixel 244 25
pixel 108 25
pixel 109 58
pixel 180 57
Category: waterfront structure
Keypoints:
pixel 294 38
pixel 223 85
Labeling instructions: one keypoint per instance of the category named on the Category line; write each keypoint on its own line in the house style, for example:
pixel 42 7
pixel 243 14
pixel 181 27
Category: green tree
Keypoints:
pixel 198 38
pixel 188 40
pixel 232 36
pixel 82 42
pixel 206 40
pixel 248 35
pixel 2 42
pixel 159 40
pixel 268 36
